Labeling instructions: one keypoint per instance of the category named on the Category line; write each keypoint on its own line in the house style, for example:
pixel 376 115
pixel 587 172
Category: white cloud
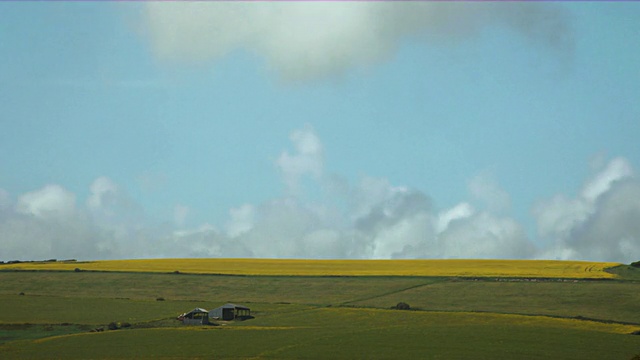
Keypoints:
pixel 52 201
pixel 600 223
pixel 460 211
pixel 310 40
pixel 613 231
pixel 103 192
pixel 559 215
pixel 280 227
pixel 617 169
pixel 204 241
pixel 379 220
pixel 486 189
pixel 395 221
pixel 110 205
pixel 410 237
pixel 375 219
pixel 372 192
pixel 485 236
pixel 242 220
pixel 324 244
pixel 46 223
pixel 308 159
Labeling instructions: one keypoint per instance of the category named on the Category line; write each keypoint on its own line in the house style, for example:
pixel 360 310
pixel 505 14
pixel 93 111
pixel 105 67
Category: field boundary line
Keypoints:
pixel 387 293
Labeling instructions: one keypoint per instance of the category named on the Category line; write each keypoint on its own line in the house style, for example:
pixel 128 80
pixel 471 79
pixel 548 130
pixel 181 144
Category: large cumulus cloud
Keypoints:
pixel 600 223
pixel 308 40
pixel 46 223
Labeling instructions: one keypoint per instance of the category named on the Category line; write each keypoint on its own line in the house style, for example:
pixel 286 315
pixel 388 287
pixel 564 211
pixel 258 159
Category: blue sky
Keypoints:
pixel 330 130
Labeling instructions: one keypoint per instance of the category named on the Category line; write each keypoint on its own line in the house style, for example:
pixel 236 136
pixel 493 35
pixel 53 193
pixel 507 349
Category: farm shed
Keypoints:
pixel 230 312
pixel 197 316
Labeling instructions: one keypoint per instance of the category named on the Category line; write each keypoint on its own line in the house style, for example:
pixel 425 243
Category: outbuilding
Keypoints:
pixel 197 316
pixel 230 312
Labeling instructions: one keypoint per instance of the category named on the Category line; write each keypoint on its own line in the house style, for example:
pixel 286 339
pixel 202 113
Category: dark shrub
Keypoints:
pixel 403 306
pixel 636 264
pixel 176 272
pixel 125 325
pixel 77 270
pixel 160 299
pixel 21 294
pixel 113 326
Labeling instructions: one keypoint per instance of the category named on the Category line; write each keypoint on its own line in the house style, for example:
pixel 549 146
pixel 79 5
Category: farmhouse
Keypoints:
pixel 230 312
pixel 197 316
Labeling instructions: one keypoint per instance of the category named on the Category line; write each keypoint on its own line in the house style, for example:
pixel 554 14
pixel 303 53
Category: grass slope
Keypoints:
pixel 318 317
pixel 351 333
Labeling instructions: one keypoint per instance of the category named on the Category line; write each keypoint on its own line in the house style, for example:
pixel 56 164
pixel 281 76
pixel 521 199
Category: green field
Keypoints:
pixel 304 317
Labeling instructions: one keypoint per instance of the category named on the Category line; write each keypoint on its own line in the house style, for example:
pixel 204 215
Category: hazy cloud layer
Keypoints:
pixel 369 219
pixel 310 40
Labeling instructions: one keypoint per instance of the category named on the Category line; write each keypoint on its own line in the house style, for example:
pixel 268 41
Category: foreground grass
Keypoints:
pixel 272 267
pixel 321 333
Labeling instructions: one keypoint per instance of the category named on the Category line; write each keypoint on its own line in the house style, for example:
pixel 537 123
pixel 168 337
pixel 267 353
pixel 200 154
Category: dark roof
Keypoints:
pixel 234 306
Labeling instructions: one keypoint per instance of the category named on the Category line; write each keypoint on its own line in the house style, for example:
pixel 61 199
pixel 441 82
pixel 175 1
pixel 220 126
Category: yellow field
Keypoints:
pixel 469 268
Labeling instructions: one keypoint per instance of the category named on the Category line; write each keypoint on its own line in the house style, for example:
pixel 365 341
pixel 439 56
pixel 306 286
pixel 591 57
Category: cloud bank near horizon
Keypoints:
pixel 321 216
pixel 304 41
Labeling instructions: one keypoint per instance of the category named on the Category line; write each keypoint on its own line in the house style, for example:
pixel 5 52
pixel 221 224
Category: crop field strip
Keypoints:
pixel 280 267
pixel 340 315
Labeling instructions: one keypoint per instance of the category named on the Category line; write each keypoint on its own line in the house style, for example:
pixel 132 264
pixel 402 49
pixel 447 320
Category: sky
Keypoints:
pixel 328 130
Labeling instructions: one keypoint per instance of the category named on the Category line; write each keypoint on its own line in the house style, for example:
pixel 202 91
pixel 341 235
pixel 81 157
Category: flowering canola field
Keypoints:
pixel 297 267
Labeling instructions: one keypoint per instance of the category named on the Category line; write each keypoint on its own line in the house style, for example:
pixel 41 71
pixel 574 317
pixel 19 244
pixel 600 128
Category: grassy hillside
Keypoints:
pixel 625 272
pixel 321 317
pixel 321 333
pixel 605 300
